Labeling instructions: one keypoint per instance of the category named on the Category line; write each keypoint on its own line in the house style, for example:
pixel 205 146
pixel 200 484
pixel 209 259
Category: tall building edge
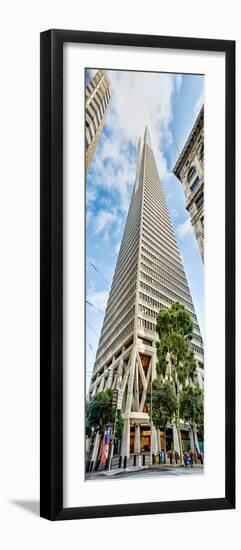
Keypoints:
pixel 189 169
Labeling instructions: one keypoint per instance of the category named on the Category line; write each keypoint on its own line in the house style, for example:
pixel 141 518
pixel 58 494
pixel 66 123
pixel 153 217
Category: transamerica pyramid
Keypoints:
pixel 149 275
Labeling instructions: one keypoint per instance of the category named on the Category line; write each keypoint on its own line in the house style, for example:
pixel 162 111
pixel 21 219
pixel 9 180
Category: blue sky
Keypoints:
pixel 164 102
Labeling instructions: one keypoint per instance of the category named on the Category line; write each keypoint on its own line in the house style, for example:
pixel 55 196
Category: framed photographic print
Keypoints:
pixel 137 274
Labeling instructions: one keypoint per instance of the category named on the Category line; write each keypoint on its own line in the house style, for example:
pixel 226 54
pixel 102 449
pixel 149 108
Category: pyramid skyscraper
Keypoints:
pixel 149 276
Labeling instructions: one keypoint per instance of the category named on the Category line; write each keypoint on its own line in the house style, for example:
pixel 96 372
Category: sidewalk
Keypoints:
pixel 116 471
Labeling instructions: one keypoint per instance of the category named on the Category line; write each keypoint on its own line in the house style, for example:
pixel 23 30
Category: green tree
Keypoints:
pixel 100 412
pixel 192 408
pixel 161 397
pixel 175 358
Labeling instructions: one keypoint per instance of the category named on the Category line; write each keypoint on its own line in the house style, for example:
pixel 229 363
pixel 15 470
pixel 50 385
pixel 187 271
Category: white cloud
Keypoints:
pixel 103 220
pixel 174 213
pixel 198 105
pixel 90 196
pixel 184 229
pixel 138 100
pixel 117 247
pixel 98 298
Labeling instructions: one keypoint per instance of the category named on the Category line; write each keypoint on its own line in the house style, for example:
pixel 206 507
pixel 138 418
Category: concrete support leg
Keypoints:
pixel 137 444
pixel 175 439
pixel 94 457
pixel 125 444
pixel 158 436
pixel 88 444
pixel 192 440
pixel 102 383
pixel 109 380
pixel 196 441
pixel 153 439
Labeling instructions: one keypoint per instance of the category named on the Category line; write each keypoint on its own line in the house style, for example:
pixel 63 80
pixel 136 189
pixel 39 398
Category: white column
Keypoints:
pixel 120 374
pixel 88 444
pixel 153 439
pixel 137 444
pixel 125 443
pixel 175 439
pixel 94 457
pixel 109 380
pixel 131 382
pixel 158 436
pixel 196 441
pixel 102 382
pixel 192 440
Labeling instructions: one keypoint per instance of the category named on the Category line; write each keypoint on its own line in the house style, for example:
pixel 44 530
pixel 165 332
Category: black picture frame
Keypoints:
pixel 51 323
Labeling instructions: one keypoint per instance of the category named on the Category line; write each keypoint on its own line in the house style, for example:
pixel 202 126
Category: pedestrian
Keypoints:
pixel 185 458
pixel 191 458
pixel 170 456
pixel 176 457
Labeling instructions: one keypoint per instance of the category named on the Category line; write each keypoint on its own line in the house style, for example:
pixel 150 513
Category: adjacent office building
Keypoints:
pixel 189 169
pixel 149 275
pixel 97 98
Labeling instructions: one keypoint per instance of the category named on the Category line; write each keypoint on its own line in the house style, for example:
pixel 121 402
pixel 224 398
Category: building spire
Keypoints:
pixel 147 138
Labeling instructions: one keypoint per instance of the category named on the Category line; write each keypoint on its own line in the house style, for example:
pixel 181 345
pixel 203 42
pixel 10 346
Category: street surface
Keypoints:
pixel 146 472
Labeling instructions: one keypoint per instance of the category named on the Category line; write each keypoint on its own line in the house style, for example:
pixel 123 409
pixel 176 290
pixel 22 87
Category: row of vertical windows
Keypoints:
pixel 200 200
pixel 162 248
pixel 164 227
pixel 155 212
pixel 165 289
pixel 159 306
pixel 157 203
pixel 130 256
pixel 172 266
pixel 164 265
pixel 130 265
pixel 191 173
pixel 195 184
pixel 163 297
pixel 115 343
pixel 129 289
pixel 122 284
pixel 149 226
pixel 122 308
pixel 115 329
pixel 146 324
pixel 166 279
pixel 197 349
pixel 147 311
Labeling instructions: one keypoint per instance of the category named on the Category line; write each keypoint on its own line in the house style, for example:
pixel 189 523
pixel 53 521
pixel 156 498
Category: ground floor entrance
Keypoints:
pixel 165 440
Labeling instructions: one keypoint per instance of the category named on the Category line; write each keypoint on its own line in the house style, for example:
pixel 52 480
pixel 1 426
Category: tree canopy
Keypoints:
pixel 175 357
pixel 100 412
pixel 162 398
pixel 191 406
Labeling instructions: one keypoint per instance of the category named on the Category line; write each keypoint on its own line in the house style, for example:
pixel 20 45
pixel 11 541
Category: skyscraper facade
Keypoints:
pixel 149 276
pixel 189 169
pixel 97 98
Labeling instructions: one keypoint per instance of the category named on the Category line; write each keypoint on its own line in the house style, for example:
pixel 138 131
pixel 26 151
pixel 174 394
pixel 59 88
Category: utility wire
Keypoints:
pixel 90 346
pixel 98 271
pixel 92 328
pixel 90 304
pixel 175 141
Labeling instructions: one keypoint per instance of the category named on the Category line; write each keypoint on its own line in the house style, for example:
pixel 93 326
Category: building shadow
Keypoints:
pixel 32 506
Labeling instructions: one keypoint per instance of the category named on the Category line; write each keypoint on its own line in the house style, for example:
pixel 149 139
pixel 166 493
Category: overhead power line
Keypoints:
pixel 100 273
pixel 90 346
pixel 175 141
pixel 92 328
pixel 97 309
